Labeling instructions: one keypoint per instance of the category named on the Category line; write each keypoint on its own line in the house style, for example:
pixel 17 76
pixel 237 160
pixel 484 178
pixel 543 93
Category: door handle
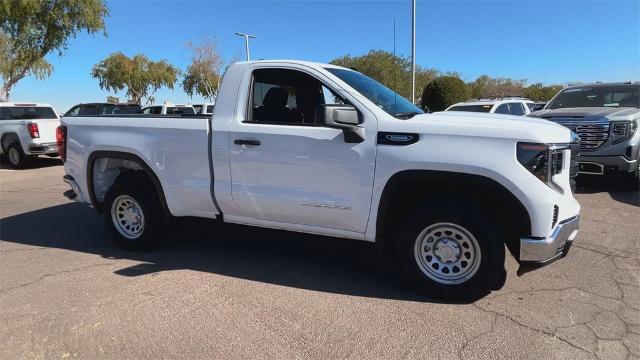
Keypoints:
pixel 245 142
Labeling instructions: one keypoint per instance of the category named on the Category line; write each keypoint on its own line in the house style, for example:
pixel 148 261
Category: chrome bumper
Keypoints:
pixel 542 251
pixel 44 148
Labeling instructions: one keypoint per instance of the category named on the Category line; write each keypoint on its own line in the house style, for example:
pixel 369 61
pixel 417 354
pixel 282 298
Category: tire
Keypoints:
pixel 16 157
pixel 133 211
pixel 462 240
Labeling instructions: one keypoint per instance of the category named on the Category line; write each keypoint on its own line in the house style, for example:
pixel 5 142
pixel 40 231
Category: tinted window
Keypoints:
pixel 89 110
pixel 209 109
pixel 502 109
pixel 156 110
pixel 27 113
pixel 75 111
pixel 383 97
pixel 198 109
pixel 146 110
pixel 471 108
pixel 176 110
pixel 516 109
pixel 598 96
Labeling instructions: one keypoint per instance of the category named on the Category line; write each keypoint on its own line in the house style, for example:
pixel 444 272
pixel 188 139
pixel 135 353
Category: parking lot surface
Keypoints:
pixel 236 292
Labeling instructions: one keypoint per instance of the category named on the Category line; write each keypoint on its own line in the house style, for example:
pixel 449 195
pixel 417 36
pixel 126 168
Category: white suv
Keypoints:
pixel 508 106
pixel 27 130
pixel 169 108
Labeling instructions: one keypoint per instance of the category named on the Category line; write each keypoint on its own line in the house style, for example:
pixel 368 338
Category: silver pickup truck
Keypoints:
pixel 605 117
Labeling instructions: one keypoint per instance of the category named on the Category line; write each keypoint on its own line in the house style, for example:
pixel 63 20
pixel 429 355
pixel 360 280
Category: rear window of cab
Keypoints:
pixel 471 108
pixel 26 113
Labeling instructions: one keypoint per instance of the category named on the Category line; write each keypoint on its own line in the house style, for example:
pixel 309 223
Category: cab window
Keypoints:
pixel 288 97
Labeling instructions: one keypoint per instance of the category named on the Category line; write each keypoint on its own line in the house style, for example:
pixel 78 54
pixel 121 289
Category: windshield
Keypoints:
pixel 383 97
pixel 472 108
pixel 598 96
pixel 26 113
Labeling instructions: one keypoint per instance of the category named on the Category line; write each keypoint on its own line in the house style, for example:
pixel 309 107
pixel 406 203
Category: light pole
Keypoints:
pixel 413 52
pixel 246 41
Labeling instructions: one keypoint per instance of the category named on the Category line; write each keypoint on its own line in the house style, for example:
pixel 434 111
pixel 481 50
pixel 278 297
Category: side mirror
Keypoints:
pixel 344 117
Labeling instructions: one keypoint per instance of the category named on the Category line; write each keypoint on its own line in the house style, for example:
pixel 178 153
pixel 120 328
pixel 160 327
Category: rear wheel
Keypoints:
pixel 16 156
pixel 451 253
pixel 133 212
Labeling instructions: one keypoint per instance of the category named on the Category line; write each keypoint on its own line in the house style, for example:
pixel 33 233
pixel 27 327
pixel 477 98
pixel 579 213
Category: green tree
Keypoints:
pixel 391 70
pixel 113 99
pixel 442 92
pixel 539 92
pixel 204 73
pixel 488 87
pixel 140 76
pixel 33 29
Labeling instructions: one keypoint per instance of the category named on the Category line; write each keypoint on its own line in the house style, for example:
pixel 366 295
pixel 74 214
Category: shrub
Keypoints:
pixel 442 92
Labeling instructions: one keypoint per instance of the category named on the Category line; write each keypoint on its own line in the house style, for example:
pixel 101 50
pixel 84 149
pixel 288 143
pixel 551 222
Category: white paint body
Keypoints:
pixel 307 178
pixel 46 129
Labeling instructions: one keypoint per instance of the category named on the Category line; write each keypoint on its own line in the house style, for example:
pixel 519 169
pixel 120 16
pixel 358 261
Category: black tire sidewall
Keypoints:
pixel 150 237
pixel 22 157
pixel 492 251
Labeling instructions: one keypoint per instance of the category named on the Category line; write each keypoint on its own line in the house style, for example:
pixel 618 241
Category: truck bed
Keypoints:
pixel 176 148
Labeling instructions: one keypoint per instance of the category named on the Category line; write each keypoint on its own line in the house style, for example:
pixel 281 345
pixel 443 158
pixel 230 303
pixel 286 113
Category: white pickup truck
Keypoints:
pixel 321 149
pixel 26 131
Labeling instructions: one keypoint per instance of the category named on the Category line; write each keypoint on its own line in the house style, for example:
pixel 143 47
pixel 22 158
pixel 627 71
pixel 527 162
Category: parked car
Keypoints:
pixel 90 109
pixel 169 109
pixel 322 149
pixel 507 106
pixel 204 109
pixel 537 106
pixel 26 131
pixel 605 117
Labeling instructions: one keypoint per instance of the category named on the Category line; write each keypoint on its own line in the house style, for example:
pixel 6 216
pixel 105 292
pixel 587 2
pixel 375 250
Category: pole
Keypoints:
pixel 246 42
pixel 413 52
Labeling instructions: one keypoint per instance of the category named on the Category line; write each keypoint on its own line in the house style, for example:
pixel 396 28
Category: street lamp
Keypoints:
pixel 246 41
pixel 413 52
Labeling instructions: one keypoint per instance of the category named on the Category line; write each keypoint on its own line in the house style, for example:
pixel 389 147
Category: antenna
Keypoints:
pixel 395 96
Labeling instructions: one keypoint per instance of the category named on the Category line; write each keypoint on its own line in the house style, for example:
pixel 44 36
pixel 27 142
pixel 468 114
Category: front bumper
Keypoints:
pixel 44 148
pixel 601 165
pixel 542 251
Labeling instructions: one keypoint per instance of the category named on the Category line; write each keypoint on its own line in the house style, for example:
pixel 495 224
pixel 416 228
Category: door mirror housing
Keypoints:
pixel 341 116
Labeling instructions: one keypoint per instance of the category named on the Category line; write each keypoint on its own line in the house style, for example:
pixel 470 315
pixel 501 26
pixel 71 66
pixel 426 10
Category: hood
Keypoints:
pixel 518 128
pixel 586 113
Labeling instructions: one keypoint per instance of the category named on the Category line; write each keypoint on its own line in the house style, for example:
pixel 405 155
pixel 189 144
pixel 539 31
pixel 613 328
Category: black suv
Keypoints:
pixel 92 109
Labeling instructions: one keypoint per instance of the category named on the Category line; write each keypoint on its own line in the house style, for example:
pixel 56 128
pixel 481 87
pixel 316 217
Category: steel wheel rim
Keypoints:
pixel 14 156
pixel 447 253
pixel 127 217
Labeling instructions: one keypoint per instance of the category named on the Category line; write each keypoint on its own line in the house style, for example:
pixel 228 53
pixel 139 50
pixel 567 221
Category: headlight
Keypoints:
pixel 542 160
pixel 622 130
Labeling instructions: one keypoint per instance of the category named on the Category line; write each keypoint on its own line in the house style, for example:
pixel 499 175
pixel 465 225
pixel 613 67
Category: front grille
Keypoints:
pixel 560 248
pixel 592 134
pixel 555 216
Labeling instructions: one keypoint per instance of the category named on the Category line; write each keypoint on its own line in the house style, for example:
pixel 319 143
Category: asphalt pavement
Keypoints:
pixel 232 292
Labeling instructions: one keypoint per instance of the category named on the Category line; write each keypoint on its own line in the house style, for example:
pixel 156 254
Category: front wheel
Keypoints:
pixel 451 253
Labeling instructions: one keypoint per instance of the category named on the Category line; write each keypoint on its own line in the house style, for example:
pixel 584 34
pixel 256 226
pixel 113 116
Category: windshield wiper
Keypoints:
pixel 406 115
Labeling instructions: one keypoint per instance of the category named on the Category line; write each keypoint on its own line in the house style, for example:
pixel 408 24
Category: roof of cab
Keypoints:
pixel 24 103
pixel 297 62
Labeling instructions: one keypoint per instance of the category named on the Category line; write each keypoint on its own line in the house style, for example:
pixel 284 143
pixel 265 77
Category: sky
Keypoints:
pixel 542 41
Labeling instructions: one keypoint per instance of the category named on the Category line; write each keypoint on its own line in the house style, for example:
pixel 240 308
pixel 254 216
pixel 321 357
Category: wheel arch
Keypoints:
pixel 407 186
pixel 127 159
pixel 7 138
